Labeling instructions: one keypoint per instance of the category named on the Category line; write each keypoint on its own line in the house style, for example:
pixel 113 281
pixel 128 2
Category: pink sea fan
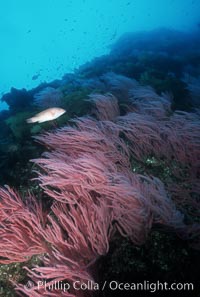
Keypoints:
pixel 119 85
pixel 48 97
pixel 88 181
pixel 89 136
pixel 77 238
pixel 95 194
pixel 10 203
pixel 55 278
pixel 193 86
pixel 55 281
pixel 176 138
pixel 95 175
pixel 146 101
pixel 132 206
pixel 87 231
pixel 183 131
pixel 142 134
pixel 72 239
pixel 106 106
pixel 21 228
pixel 119 82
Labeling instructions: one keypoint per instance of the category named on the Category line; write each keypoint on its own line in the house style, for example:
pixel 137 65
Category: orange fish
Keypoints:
pixel 48 114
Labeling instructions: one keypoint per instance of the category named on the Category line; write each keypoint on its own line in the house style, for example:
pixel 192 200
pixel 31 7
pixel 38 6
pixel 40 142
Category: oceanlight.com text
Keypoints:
pixel 110 285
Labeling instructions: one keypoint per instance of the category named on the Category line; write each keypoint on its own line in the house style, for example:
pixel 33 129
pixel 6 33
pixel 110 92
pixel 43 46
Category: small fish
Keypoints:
pixel 47 115
pixel 36 76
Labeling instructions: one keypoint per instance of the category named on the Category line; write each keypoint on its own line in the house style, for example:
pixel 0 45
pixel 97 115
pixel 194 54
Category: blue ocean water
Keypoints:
pixel 43 40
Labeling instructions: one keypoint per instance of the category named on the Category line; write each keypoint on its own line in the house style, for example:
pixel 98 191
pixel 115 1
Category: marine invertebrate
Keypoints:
pixel 119 85
pixel 48 97
pixel 21 227
pixel 193 86
pixel 106 106
pixel 146 101
pixel 94 192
